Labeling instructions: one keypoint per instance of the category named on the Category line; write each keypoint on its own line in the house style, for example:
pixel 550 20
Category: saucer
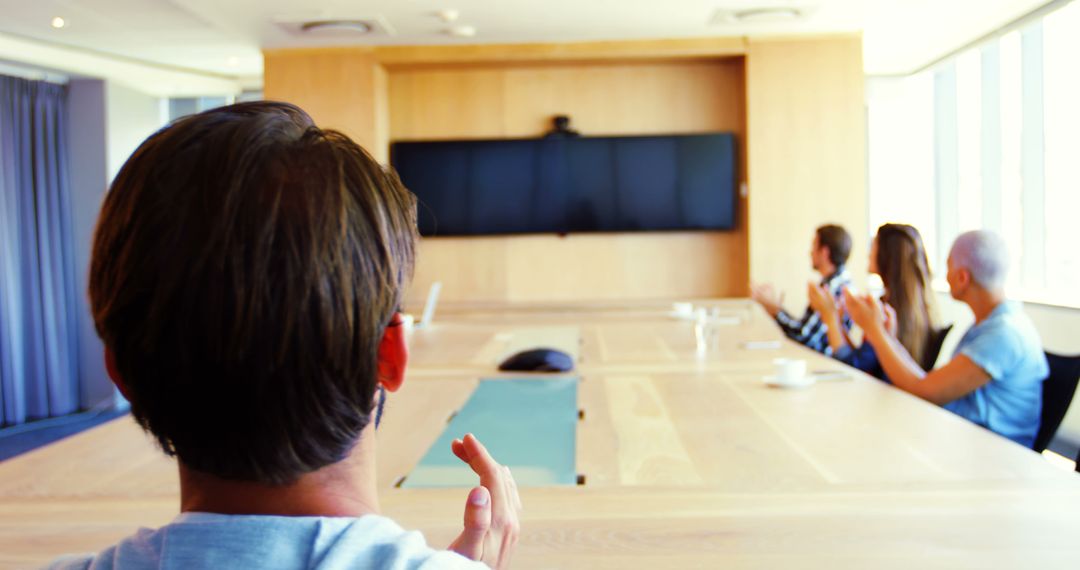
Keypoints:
pixel 776 383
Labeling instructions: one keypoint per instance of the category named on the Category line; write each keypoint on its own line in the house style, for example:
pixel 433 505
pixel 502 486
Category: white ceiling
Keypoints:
pixel 224 37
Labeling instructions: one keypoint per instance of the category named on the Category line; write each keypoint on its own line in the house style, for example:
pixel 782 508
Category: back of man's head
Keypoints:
pixel 838 240
pixel 244 268
pixel 985 255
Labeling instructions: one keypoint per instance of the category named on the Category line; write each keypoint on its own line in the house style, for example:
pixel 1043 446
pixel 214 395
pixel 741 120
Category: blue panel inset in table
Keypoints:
pixel 529 424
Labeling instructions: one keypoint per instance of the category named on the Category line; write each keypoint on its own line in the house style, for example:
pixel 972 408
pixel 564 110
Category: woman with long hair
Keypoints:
pixel 897 255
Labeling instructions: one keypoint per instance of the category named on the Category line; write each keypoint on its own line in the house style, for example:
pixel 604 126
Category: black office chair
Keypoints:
pixel 933 347
pixel 1058 390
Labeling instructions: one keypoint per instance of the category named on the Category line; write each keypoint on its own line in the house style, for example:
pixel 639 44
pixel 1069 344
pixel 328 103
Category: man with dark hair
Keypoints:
pixel 828 255
pixel 247 268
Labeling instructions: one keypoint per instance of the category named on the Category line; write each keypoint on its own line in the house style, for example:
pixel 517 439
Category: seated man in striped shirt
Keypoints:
pixel 832 245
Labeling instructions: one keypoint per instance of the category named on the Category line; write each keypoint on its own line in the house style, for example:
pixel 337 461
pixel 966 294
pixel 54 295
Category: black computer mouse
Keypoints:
pixel 539 360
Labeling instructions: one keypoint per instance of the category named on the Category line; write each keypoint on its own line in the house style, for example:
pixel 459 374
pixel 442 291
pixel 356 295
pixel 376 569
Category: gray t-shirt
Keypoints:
pixel 205 540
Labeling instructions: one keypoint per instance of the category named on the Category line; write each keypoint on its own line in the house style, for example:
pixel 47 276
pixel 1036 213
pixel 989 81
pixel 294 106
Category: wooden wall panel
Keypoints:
pixel 580 267
pixel 470 269
pixel 807 154
pixel 446 103
pixel 518 100
pixel 628 266
pixel 602 99
pixel 619 50
pixel 798 110
pixel 336 86
pixel 381 98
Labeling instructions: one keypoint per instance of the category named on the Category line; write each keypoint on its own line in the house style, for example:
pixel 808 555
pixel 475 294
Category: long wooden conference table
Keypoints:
pixel 687 460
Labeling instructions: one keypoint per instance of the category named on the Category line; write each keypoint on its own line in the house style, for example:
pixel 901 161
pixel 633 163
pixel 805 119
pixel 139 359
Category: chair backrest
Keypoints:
pixel 933 347
pixel 1058 390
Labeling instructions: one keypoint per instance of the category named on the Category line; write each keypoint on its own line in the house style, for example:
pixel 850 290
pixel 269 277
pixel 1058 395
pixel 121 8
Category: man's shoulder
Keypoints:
pixel 73 562
pixel 1009 325
pixel 213 541
pixel 143 540
pixel 1005 344
pixel 838 280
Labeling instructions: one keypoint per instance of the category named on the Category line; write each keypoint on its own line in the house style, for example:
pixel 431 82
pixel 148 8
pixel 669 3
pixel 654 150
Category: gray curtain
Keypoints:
pixel 38 351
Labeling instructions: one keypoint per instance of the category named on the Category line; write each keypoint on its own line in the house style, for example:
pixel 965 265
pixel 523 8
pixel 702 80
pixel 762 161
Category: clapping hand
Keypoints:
pixel 866 311
pixel 890 323
pixel 822 301
pixel 767 297
pixel 491 512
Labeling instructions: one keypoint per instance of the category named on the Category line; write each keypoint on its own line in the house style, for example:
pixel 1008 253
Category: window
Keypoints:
pixel 987 140
pixel 1061 100
pixel 183 106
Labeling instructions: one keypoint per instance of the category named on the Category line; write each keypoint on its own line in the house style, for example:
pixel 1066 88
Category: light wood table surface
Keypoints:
pixel 689 462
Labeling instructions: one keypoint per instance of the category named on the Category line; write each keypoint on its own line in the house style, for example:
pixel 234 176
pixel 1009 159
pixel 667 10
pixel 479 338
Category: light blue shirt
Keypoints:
pixel 1007 347
pixel 204 540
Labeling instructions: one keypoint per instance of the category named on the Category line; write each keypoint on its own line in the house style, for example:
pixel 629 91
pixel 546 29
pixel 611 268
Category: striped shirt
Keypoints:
pixel 809 330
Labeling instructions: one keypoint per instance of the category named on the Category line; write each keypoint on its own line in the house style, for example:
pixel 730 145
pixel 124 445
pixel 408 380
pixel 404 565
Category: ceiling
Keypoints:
pixel 222 38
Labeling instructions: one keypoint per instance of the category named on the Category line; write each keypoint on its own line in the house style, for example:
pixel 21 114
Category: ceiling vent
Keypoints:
pixel 761 15
pixel 335 28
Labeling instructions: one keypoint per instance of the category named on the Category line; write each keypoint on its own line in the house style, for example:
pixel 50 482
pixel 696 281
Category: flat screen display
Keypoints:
pixel 570 185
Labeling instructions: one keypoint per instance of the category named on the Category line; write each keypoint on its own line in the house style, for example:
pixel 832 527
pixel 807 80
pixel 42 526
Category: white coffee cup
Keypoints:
pixel 790 371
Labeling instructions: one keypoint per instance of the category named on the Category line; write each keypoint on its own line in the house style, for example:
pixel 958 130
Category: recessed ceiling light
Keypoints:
pixel 462 31
pixel 58 22
pixel 448 15
pixel 337 25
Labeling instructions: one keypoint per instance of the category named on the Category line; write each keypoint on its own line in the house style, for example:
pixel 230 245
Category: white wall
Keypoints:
pixel 131 117
pixel 107 123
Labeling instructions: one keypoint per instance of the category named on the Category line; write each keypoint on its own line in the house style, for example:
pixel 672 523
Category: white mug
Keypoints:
pixel 790 370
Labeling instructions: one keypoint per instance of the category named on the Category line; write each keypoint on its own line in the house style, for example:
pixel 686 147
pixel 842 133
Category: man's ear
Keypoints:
pixel 965 278
pixel 114 374
pixel 393 355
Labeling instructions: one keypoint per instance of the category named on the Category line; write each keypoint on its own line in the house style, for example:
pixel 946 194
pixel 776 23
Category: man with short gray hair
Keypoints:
pixel 985 255
pixel 996 374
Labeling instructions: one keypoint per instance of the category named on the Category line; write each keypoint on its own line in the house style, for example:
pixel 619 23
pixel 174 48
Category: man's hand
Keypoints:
pixel 822 301
pixel 491 512
pixel 768 298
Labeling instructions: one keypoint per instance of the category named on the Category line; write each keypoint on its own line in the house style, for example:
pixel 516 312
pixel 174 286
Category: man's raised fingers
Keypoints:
pixel 470 543
pixel 479 459
pixel 458 448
